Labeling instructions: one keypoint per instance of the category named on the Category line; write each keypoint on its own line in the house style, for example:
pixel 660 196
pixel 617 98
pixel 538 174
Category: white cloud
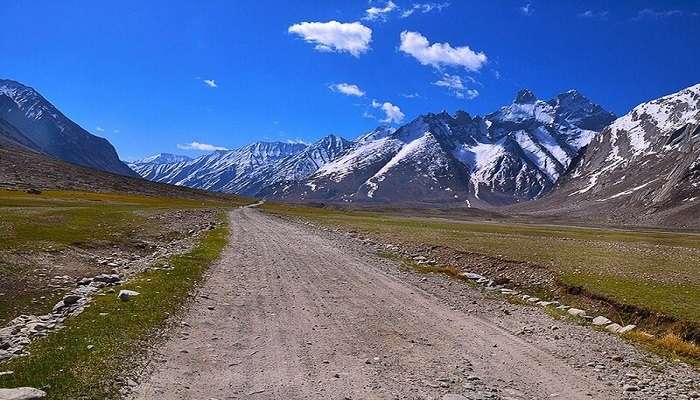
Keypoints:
pixel 297 141
pixel 455 85
pixel 116 131
pixel 210 82
pixel 527 9
pixel 410 95
pixel 650 13
pixel 450 81
pixel 590 14
pixel 440 54
pixel 393 113
pixel 334 36
pixel 200 147
pixel 99 129
pixel 374 13
pixel 424 8
pixel 347 89
pixel 470 94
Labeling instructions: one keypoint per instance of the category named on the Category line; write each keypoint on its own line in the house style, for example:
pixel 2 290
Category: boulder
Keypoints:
pixel 71 299
pixel 126 295
pixel 627 328
pixel 576 312
pixel 107 278
pixel 600 321
pixel 614 328
pixel 472 276
pixel 21 393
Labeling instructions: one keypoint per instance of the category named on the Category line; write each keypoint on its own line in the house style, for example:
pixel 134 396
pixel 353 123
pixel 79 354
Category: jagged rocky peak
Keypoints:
pixel 525 96
pixel 576 109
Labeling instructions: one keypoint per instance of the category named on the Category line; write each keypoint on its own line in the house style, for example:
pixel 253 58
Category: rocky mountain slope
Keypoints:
pixel 515 154
pixel 22 169
pixel 643 168
pixel 223 170
pixel 31 121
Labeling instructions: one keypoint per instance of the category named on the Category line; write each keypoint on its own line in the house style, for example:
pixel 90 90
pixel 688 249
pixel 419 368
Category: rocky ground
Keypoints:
pixel 297 311
pixel 72 276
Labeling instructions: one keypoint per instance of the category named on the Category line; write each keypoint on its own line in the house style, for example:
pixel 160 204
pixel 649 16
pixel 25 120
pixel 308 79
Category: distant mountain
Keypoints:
pixel 161 158
pixel 29 120
pixel 231 171
pixel 643 168
pixel 515 154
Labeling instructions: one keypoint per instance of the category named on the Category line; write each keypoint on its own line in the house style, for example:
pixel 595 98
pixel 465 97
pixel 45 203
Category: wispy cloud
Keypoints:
pixel 392 112
pixel 374 13
pixel 591 14
pixel 200 146
pixel 297 141
pixel 527 9
pixel 423 8
pixel 410 95
pixel 347 89
pixel 456 87
pixel 116 131
pixel 210 82
pixel 99 129
pixel 334 36
pixel 440 54
pixel 650 13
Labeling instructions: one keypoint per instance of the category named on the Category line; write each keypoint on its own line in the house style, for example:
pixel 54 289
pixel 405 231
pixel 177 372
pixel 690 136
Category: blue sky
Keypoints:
pixel 135 72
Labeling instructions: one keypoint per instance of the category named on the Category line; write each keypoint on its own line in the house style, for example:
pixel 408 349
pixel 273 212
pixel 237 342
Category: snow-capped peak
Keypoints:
pixel 525 96
pixel 658 117
pixel 162 158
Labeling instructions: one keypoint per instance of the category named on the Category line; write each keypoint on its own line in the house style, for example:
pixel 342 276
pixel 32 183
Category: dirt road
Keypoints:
pixel 290 314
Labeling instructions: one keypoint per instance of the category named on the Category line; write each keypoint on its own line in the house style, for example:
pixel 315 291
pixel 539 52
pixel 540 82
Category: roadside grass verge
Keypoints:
pixel 650 273
pixel 63 366
pixel 36 228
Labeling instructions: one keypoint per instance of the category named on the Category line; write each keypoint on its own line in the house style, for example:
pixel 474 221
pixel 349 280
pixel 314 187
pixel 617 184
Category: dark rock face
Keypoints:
pixel 31 121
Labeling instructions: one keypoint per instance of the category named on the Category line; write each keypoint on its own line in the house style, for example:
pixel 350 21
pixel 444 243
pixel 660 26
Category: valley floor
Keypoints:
pixel 293 312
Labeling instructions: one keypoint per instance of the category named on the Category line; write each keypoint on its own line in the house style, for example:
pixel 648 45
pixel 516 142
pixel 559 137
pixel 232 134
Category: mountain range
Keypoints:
pixel 562 156
pixel 644 168
pixel 514 154
pixel 29 120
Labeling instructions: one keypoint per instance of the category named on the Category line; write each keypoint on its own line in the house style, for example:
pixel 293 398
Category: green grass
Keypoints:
pixel 62 365
pixel 654 270
pixel 32 225
pixel 55 220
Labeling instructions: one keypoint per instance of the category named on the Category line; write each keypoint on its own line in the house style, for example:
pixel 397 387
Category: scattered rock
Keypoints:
pixel 71 299
pixel 614 328
pixel 21 393
pixel 630 388
pixel 600 321
pixel 576 312
pixel 126 295
pixel 472 276
pixel 626 329
pixel 107 278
